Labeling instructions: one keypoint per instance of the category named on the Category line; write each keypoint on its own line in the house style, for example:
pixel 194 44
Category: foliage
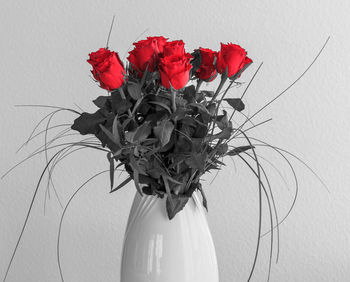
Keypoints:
pixel 166 139
pixel 165 147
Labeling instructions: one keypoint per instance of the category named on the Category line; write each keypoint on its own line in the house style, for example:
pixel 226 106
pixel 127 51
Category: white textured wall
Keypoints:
pixel 44 45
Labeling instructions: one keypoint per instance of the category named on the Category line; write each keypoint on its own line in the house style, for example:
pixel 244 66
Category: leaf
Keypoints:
pixel 108 133
pixel 170 179
pixel 197 161
pixel 225 134
pixel 211 166
pixel 222 121
pixel 134 89
pixel 163 131
pixel 142 132
pixel 189 121
pixel 167 189
pixel 101 101
pixel 179 203
pixel 88 123
pixel 128 124
pixel 111 168
pixel 136 179
pixel 119 105
pixel 180 101
pixel 137 104
pixel 216 161
pixel 190 94
pixel 179 114
pixel 106 141
pixel 161 105
pixel 222 149
pixel 205 203
pixel 126 181
pixel 115 130
pixel 123 107
pixel 211 108
pixel 239 150
pixel 154 165
pixel 139 134
pixel 235 103
pixel 201 131
pixel 129 136
pixel 191 189
pixel 155 172
pixel 200 107
pixel 149 141
pixel 182 178
pixel 136 165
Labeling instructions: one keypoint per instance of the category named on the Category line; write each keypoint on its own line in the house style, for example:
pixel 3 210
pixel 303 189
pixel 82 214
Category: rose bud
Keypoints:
pixel 107 68
pixel 176 47
pixel 145 55
pixel 207 71
pixel 175 70
pixel 233 59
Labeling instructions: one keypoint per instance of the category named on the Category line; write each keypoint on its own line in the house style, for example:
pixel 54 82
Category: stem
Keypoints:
pixel 245 90
pixel 291 85
pixel 217 108
pixel 222 82
pixel 199 83
pixel 110 30
pixel 173 96
pixel 121 91
pixel 219 103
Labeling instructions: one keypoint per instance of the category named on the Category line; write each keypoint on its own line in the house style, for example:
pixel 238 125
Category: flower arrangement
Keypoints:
pixel 164 132
pixel 160 125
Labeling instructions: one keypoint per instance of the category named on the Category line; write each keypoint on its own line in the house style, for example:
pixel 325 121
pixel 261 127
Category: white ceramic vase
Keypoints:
pixel 157 249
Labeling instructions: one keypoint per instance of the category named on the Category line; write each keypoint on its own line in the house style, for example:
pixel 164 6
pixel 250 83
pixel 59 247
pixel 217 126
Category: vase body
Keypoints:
pixel 157 249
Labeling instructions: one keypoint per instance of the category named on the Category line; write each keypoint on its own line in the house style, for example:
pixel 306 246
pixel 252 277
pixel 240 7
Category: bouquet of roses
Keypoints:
pixel 166 131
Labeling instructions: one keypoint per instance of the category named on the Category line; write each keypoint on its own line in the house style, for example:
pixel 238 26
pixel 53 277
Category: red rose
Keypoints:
pixel 157 42
pixel 207 69
pixel 175 70
pixel 233 58
pixel 107 68
pixel 146 54
pixel 176 47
